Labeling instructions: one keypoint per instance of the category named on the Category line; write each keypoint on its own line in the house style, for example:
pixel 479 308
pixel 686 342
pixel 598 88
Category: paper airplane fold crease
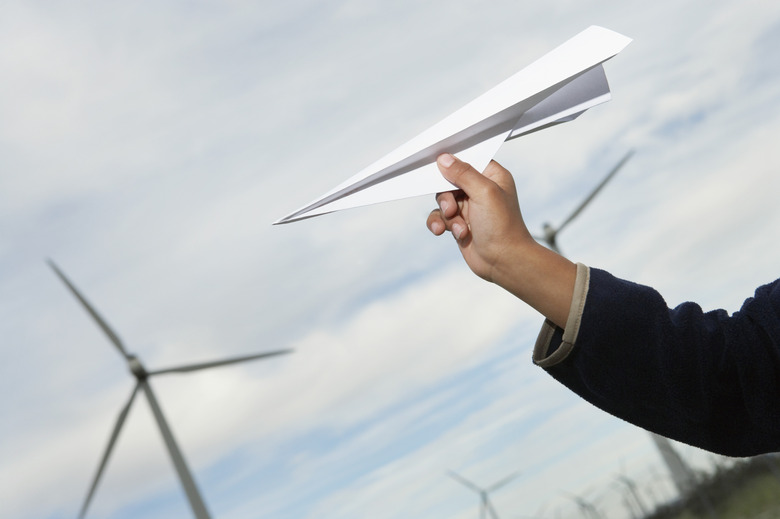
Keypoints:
pixel 554 89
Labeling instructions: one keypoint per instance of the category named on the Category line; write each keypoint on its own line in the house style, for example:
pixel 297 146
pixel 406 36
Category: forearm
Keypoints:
pixel 540 277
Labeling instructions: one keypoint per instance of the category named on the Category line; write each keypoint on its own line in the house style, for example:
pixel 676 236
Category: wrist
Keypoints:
pixel 538 276
pixel 515 261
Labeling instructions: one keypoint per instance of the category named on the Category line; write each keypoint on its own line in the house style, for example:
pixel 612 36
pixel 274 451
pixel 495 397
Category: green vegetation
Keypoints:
pixel 759 495
pixel 748 490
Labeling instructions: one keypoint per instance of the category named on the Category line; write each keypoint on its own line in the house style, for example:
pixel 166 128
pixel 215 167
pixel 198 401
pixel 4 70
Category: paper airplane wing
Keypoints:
pixel 556 88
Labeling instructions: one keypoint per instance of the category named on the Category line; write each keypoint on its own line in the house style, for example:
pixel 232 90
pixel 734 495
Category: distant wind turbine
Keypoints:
pixel 550 233
pixel 485 507
pixel 142 382
pixel 588 508
pixel 633 499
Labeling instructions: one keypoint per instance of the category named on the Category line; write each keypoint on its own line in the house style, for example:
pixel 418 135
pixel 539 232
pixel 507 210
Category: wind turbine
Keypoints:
pixel 550 233
pixel 635 498
pixel 142 382
pixel 588 508
pixel 485 507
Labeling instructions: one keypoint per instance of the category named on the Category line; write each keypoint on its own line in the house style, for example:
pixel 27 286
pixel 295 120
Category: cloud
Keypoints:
pixel 147 148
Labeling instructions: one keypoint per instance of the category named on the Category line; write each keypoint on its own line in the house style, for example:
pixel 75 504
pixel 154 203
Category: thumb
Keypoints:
pixel 462 175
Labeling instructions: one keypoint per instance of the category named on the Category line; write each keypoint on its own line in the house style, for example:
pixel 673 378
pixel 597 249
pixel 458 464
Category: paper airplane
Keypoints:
pixel 556 88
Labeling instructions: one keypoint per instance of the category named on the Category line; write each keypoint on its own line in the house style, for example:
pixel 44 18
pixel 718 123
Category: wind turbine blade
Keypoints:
pixel 187 482
pixel 96 316
pixel 206 365
pixel 458 477
pixel 596 190
pixel 111 441
pixel 503 482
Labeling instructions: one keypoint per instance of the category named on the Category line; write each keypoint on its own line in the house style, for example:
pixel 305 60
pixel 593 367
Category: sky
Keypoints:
pixel 146 148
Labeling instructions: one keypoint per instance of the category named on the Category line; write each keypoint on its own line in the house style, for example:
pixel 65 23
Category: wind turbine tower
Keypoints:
pixel 682 475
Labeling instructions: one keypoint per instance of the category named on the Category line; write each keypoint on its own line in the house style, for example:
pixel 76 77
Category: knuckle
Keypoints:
pixel 487 190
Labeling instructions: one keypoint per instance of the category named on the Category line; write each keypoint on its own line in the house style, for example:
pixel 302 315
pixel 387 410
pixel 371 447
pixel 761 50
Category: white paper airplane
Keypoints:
pixel 556 88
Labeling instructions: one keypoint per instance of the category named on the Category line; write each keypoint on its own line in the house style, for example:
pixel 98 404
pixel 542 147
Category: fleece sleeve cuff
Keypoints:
pixel 553 345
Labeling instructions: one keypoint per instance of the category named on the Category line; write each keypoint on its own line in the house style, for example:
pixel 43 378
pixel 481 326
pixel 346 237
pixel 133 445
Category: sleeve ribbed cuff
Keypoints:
pixel 549 352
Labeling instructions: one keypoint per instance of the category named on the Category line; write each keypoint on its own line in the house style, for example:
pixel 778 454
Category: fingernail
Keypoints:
pixel 443 206
pixel 446 160
pixel 457 230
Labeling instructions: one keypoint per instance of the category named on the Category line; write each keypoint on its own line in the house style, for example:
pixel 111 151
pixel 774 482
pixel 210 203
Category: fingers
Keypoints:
pixel 462 175
pixel 447 203
pixel 448 217
pixel 437 224
pixel 459 229
pixel 472 185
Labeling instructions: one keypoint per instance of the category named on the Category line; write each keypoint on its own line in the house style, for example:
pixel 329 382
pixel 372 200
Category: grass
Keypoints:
pixel 754 497
pixel 760 495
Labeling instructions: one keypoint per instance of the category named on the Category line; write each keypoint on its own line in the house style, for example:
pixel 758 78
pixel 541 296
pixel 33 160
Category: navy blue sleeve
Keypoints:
pixel 707 379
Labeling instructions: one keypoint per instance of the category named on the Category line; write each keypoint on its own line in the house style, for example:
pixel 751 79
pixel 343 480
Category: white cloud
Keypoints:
pixel 149 146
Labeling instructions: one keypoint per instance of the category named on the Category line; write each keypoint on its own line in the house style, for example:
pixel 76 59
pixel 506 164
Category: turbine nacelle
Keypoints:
pixel 136 368
pixel 549 233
